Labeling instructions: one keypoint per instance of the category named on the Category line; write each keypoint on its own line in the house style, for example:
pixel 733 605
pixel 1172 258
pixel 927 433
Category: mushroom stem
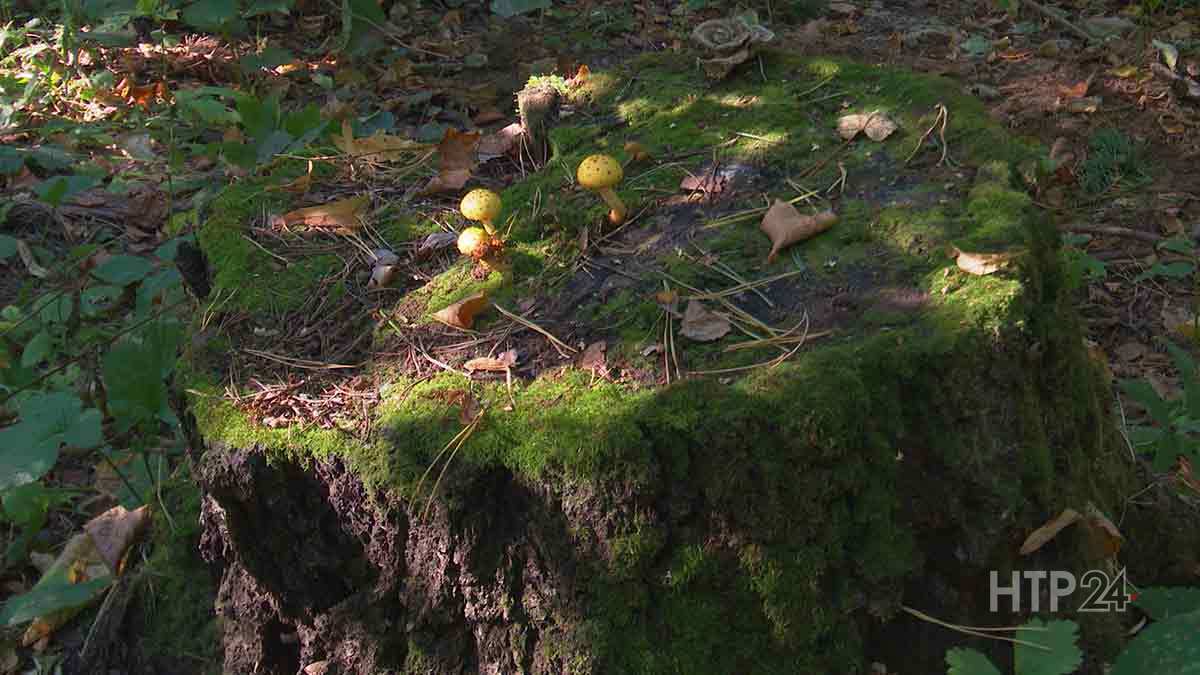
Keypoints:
pixel 617 215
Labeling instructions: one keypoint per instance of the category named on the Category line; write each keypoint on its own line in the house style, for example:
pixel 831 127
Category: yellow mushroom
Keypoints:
pixel 472 241
pixel 481 205
pixel 600 173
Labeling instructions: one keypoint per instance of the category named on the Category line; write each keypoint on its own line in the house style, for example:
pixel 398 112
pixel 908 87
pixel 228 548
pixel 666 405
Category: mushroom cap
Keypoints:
pixel 599 171
pixel 480 204
pixel 471 241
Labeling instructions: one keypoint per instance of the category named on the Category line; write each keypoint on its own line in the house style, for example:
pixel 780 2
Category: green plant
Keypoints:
pixel 1043 648
pixel 83 372
pixel 1176 422
pixel 1079 265
pixel 1170 644
pixel 269 131
pixel 1112 158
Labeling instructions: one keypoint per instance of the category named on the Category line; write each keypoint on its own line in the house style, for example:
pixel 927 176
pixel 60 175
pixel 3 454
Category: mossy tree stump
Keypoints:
pixel 755 520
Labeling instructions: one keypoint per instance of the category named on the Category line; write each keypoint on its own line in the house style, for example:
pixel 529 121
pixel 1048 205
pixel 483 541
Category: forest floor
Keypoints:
pixel 117 151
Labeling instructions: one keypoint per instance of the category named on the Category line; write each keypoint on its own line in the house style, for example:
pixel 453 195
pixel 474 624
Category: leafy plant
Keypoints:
pixel 1056 655
pixel 269 131
pixel 1176 422
pixel 117 321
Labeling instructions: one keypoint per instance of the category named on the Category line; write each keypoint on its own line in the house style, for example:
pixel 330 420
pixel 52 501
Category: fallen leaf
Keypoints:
pixel 980 264
pixel 342 215
pixel 114 531
pixel 784 226
pixel 877 126
pixel 456 160
pixel 488 363
pixel 1088 104
pixel 437 241
pixel 1050 530
pixel 594 357
pixel 316 668
pixel 468 408
pixel 77 563
pixel 701 325
pixel 379 147
pixel 1169 52
pixel 1183 473
pixel 1103 536
pixel 500 143
pixel 462 313
pixel 581 76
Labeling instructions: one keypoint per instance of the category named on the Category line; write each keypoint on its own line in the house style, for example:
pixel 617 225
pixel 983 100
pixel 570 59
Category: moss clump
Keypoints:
pixel 173 613
pixel 254 280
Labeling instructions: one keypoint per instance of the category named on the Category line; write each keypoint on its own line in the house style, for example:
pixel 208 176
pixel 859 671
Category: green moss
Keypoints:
pixel 254 280
pixel 174 609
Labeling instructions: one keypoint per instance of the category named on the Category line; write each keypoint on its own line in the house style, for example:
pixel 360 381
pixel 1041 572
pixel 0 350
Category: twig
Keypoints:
pixel 943 116
pixel 558 344
pixel 978 632
pixel 1114 231
pixel 1061 20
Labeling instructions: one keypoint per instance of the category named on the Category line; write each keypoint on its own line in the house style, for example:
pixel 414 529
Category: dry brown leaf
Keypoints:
pixel 877 126
pixel 500 143
pixel 114 531
pixel 342 215
pixel 469 408
pixel 1050 530
pixel 1103 535
pixel 1183 473
pixel 377 148
pixel 491 365
pixel 462 313
pixel 456 160
pixel 701 325
pixel 594 357
pixel 581 76
pixel 784 226
pixel 980 264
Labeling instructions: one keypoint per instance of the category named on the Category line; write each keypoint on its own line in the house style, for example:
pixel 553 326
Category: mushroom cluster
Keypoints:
pixel 482 244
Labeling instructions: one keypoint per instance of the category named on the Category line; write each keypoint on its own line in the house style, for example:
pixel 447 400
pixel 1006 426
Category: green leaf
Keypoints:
pixel 58 189
pixel 134 371
pixel 211 15
pixel 510 8
pixel 1175 270
pixel 209 110
pixel 1064 656
pixel 1164 602
pixel 258 117
pixel 50 596
pixel 122 270
pixel 964 661
pixel 1170 646
pixel 8 246
pixel 27 506
pixel 1144 394
pixel 11 160
pixel 258 7
pixel 95 299
pixel 31 446
pixel 37 349
pixel 275 143
pixel 1181 245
